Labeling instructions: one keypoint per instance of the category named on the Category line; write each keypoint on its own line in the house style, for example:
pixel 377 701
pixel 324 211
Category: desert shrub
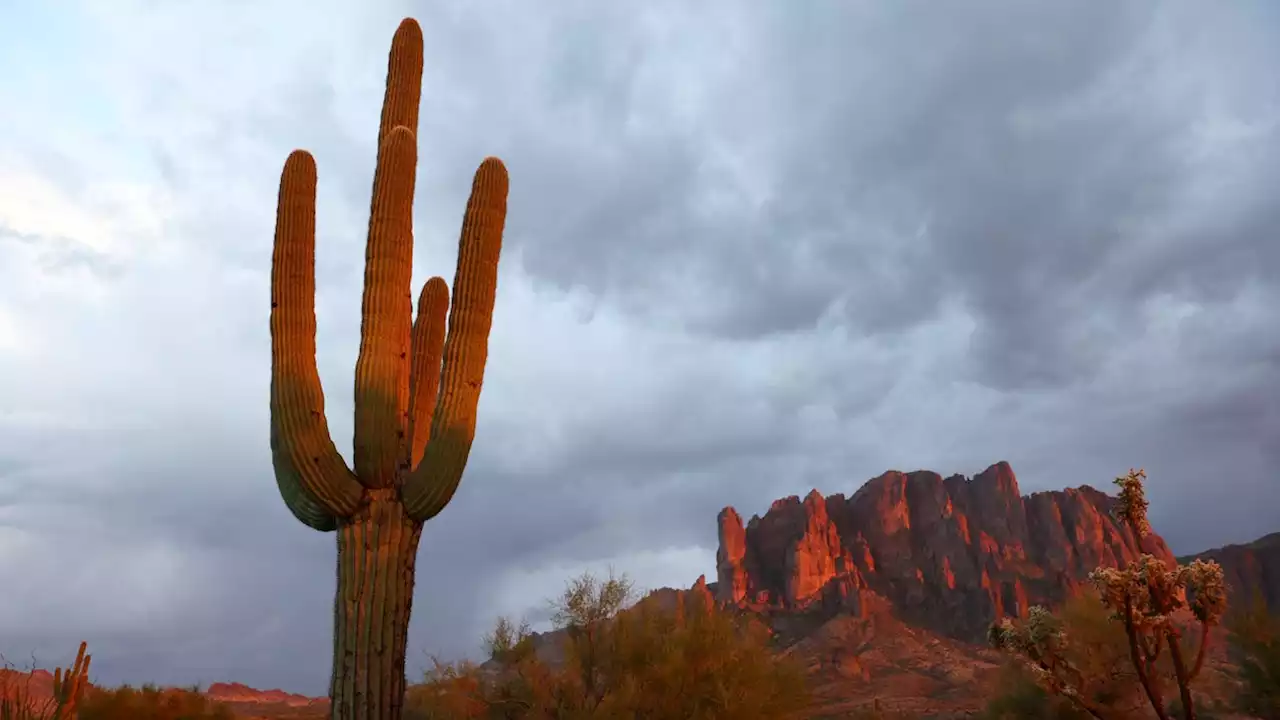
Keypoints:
pixel 1069 662
pixel 1017 696
pixel 644 661
pixel 150 703
pixel 1085 647
pixel 509 643
pixel 449 691
pixel 702 663
pixel 1254 637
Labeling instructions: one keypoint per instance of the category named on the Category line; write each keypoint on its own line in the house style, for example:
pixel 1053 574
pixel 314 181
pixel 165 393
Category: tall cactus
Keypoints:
pixel 416 390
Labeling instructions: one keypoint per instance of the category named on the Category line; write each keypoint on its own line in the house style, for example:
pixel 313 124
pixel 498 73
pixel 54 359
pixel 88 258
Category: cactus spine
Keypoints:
pixel 416 390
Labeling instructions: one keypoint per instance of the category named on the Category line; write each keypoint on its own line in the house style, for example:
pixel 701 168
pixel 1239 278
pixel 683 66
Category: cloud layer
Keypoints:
pixel 752 249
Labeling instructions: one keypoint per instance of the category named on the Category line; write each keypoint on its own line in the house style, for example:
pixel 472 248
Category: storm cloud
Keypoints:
pixel 752 248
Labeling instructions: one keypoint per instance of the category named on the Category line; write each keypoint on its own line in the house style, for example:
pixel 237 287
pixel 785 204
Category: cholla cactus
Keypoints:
pixel 1131 505
pixel 1145 597
pixel 1040 642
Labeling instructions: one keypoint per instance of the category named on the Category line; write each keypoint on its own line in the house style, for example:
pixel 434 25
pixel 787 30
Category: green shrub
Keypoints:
pixel 1080 650
pixel 645 661
pixel 1254 636
pixel 1017 696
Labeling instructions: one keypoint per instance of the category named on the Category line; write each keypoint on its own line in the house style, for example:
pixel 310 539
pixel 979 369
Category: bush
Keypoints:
pixel 1017 696
pixel 150 703
pixel 1254 636
pixel 1088 652
pixel 450 691
pixel 646 661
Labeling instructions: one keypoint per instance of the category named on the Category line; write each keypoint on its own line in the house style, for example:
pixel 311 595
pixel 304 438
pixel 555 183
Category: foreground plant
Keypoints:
pixel 17 703
pixel 1144 597
pixel 416 390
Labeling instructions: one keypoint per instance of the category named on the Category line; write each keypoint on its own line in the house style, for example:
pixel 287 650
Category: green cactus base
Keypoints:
pixel 377 550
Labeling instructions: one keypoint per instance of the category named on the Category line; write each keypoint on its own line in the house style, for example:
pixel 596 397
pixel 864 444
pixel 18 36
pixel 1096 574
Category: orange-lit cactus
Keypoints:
pixel 1144 597
pixel 416 390
pixel 68 688
pixel 17 702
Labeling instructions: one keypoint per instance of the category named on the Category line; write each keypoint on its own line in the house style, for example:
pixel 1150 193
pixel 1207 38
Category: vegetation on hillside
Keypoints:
pixel 1255 642
pixel 1083 638
pixel 620 660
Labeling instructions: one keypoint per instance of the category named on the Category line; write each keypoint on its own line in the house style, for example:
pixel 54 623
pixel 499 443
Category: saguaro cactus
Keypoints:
pixel 416 390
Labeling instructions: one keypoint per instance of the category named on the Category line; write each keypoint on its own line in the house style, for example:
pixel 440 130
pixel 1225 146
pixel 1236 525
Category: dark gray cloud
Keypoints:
pixel 752 249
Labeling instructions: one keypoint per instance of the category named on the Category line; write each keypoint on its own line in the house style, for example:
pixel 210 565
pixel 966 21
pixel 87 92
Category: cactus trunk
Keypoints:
pixel 376 554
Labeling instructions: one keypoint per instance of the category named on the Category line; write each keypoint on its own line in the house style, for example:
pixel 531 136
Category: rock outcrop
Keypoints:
pixel 951 555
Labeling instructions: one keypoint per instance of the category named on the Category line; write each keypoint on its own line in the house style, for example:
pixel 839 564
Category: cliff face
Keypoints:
pixel 1250 569
pixel 950 554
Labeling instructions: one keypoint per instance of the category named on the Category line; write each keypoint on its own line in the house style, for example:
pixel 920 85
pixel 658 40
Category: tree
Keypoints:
pixel 508 643
pixel 645 660
pixel 416 390
pixel 583 611
pixel 1144 598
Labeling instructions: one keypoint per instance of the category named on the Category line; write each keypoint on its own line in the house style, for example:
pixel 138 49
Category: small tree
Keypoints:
pixel 508 643
pixel 582 610
pixel 1144 597
pixel 621 661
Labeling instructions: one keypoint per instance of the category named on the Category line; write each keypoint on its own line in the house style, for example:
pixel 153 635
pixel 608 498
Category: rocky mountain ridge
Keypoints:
pixel 951 555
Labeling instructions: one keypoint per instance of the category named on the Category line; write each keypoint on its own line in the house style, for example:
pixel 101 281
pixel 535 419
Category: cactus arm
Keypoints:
pixel 382 376
pixel 69 687
pixel 404 81
pixel 313 478
pixel 424 373
pixel 382 369
pixel 1200 651
pixel 431 485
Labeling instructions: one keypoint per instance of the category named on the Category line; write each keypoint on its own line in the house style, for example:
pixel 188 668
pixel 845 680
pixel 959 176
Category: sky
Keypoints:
pixel 752 248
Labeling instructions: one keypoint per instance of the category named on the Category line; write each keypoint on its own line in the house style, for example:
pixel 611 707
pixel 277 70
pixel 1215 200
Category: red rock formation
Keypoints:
pixel 952 555
pixel 239 693
pixel 731 570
